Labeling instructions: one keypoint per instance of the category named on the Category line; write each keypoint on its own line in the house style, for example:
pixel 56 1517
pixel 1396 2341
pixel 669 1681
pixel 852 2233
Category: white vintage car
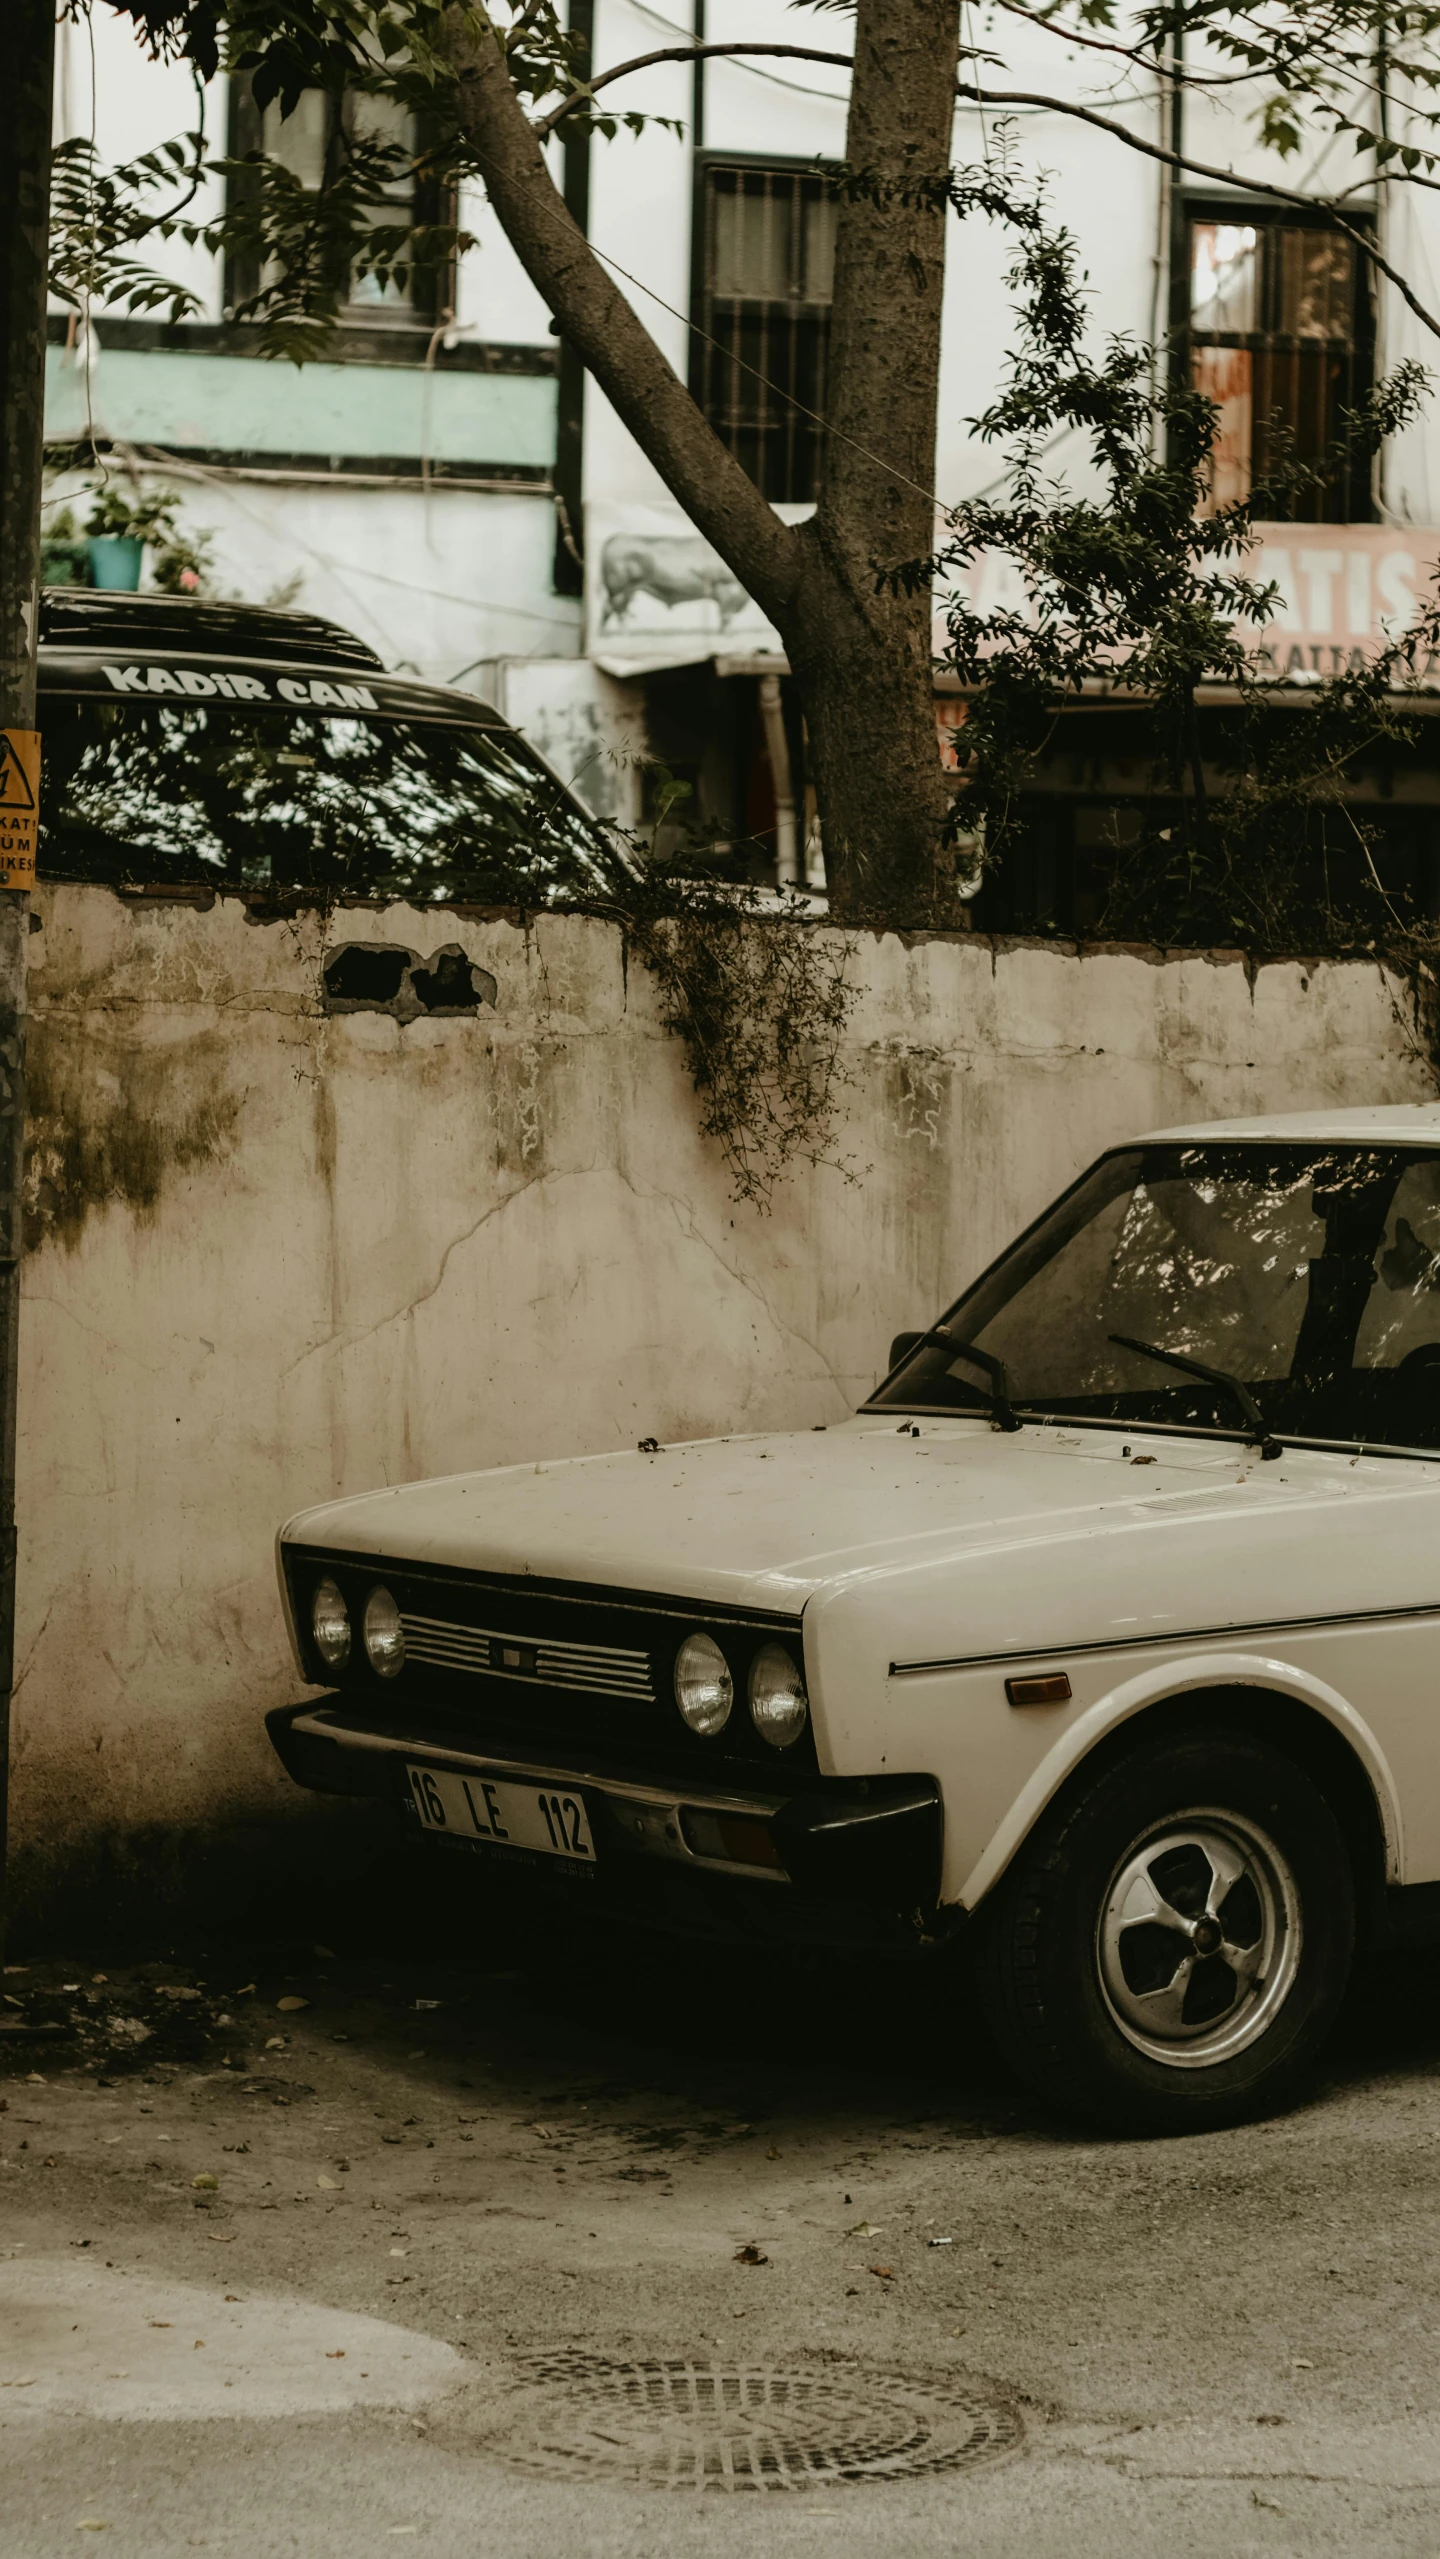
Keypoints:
pixel 1106 1634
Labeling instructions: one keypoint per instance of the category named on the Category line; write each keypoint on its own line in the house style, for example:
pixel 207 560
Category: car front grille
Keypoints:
pixel 523 1663
pixel 485 1652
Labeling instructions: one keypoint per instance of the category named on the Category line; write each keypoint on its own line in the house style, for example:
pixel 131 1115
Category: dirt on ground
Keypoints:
pixel 588 2244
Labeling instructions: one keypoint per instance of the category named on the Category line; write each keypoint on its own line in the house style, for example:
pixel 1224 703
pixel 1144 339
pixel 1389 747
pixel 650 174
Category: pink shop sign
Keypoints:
pixel 1342 592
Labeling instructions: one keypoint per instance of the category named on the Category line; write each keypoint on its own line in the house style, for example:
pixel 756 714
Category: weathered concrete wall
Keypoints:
pixel 283 1253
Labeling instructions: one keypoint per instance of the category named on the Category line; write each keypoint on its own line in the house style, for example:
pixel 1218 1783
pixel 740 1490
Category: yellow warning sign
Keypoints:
pixel 19 806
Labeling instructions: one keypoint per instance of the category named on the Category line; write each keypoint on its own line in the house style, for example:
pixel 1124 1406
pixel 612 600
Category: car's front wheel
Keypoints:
pixel 1170 1946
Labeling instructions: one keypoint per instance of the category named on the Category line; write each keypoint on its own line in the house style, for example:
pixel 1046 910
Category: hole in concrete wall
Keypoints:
pixel 365 973
pixel 452 983
pixel 379 977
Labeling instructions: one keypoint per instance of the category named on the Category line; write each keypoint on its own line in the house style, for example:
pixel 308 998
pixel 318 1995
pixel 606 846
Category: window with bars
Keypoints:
pixel 1277 328
pixel 765 264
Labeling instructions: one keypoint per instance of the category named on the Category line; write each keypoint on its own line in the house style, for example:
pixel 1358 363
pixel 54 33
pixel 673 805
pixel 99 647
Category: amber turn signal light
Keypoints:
pixel 1044 1688
pixel 737 1837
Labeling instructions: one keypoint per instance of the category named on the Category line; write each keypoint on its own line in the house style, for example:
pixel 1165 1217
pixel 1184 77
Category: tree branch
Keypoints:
pixel 679 53
pixel 600 323
pixel 1203 169
pixel 1128 52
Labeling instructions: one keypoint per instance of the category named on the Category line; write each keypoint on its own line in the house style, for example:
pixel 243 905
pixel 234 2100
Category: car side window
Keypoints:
pixel 277 797
pixel 1402 1314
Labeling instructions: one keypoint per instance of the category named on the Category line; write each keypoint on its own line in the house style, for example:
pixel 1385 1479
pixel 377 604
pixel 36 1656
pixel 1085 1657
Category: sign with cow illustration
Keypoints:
pixel 658 594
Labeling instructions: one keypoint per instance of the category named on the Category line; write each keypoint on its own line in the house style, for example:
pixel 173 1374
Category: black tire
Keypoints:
pixel 1073 1966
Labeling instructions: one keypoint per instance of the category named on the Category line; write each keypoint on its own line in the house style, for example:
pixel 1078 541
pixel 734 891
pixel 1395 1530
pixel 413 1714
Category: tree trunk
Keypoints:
pixel 597 319
pixel 862 655
pixel 862 658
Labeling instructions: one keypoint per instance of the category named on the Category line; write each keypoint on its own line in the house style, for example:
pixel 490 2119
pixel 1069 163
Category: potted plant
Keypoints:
pixel 121 529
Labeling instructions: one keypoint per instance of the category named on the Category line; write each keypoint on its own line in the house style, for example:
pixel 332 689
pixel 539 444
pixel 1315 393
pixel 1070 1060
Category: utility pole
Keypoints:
pixel 570 420
pixel 27 49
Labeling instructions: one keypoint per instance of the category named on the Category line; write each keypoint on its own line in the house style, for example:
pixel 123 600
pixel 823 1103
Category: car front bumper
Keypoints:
pixel 873 1844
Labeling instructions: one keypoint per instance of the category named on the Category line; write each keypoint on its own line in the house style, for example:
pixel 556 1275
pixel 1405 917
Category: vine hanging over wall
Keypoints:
pixel 759 1000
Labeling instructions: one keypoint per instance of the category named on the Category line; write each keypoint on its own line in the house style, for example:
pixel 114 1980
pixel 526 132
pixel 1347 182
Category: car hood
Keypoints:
pixel 767 1522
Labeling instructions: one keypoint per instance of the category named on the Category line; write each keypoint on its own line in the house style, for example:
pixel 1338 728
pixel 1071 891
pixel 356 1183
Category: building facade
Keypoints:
pixel 452 488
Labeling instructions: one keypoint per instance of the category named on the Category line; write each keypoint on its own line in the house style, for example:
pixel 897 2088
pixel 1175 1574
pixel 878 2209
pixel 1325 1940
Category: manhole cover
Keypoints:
pixel 687 2423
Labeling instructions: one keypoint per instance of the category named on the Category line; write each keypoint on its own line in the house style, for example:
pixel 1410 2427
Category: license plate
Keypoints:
pixel 512 1814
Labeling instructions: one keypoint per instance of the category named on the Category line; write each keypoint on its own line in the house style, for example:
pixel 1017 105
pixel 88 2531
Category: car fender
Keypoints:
pixel 1208 1670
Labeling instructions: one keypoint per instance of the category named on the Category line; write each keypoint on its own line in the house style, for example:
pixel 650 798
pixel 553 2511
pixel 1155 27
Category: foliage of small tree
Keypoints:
pixel 1247 830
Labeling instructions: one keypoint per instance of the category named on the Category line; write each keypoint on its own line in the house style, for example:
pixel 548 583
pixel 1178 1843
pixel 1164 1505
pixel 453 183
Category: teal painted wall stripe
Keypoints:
pixel 360 412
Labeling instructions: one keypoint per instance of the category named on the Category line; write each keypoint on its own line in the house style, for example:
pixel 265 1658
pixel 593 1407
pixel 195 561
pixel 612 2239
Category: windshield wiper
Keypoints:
pixel 997 1396
pixel 1270 1446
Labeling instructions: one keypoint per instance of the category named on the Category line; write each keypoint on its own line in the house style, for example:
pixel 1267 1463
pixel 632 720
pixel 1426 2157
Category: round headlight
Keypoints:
pixel 384 1634
pixel 330 1625
pixel 704 1689
pixel 778 1703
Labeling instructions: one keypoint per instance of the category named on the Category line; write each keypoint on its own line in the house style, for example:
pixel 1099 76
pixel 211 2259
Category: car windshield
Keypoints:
pixel 1309 1273
pixel 184 792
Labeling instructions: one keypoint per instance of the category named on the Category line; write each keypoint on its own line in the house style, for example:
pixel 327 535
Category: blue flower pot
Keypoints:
pixel 116 560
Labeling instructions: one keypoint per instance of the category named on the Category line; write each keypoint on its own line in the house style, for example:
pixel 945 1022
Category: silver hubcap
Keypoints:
pixel 1199 1939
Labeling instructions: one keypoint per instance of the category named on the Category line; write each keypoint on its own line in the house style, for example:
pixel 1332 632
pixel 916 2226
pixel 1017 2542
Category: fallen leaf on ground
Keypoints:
pixel 772 2153
pixel 161 2323
pixel 223 2236
pixel 331 2184
pixel 334 2354
pixel 546 2131
pixel 210 2185
pixel 292 1999
pixel 885 2273
pixel 274 2043
pixel 750 2255
pixel 91 2523
pixel 865 2230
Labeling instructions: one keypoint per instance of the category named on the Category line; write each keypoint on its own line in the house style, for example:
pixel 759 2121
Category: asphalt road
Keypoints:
pixel 495 2261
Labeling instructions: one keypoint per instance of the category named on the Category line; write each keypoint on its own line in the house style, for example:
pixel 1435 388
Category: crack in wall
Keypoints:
pixel 350 1340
